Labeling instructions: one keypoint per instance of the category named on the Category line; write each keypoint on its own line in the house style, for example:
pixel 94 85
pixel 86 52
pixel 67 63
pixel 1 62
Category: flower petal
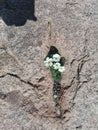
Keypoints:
pixel 61 69
pixel 56 57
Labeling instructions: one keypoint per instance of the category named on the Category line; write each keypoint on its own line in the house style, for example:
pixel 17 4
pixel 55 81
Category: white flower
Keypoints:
pixel 56 66
pixel 61 69
pixel 56 57
pixel 48 62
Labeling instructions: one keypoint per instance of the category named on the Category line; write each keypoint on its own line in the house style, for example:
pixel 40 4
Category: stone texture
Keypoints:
pixel 26 101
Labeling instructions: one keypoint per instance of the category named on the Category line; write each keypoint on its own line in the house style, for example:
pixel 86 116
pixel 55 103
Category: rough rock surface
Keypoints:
pixel 26 101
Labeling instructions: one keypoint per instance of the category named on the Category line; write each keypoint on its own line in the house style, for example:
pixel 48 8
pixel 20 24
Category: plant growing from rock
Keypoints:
pixel 56 64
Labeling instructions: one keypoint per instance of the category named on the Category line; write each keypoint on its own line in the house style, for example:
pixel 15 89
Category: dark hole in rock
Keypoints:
pixel 53 50
pixel 41 79
pixel 17 12
pixel 79 127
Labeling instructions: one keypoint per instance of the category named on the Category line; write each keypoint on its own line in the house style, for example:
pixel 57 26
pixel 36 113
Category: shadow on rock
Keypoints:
pixel 17 12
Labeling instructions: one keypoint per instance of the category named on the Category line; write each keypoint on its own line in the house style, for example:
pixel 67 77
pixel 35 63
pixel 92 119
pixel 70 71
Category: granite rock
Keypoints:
pixel 26 97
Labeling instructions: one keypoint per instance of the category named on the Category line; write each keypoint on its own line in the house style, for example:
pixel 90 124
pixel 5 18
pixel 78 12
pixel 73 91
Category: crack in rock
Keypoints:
pixel 71 83
pixel 79 69
pixel 22 80
pixel 76 80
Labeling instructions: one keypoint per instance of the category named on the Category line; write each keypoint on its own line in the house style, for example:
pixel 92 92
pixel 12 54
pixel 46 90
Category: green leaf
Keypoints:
pixel 52 71
pixel 62 61
pixel 58 78
pixel 56 75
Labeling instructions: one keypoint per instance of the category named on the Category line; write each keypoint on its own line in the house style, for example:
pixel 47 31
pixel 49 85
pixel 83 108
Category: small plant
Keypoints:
pixel 56 64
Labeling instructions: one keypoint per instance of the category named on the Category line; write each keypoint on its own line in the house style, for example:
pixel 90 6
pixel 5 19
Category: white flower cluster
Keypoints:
pixel 54 61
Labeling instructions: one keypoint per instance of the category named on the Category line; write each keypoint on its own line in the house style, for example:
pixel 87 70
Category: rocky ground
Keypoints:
pixel 26 101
